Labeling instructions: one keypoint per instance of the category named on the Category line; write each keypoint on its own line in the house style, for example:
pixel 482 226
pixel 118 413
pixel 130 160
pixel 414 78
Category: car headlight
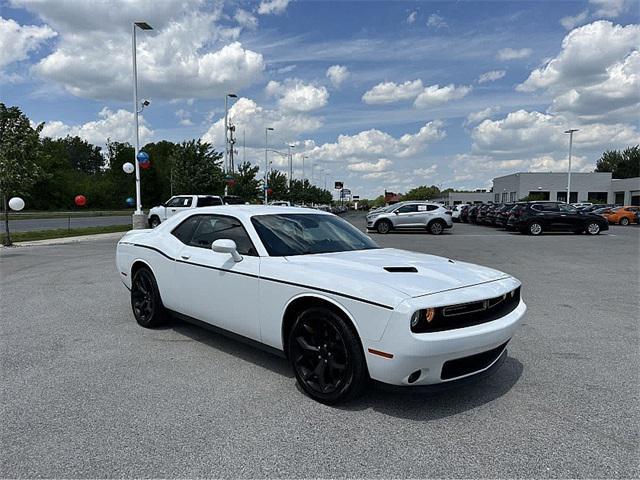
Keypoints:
pixel 422 317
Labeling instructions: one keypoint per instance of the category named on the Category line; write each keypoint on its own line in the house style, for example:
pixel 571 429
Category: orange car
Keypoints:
pixel 621 215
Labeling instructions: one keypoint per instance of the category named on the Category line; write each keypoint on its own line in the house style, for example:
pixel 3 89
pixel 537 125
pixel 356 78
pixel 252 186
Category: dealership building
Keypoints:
pixel 597 187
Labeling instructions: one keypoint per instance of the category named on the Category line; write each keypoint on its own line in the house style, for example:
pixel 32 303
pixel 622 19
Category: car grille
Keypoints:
pixel 473 363
pixel 472 313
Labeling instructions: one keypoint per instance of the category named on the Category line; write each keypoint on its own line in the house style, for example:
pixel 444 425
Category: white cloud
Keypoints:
pixel 19 40
pixel 246 19
pixel 608 8
pixel 412 17
pixel 272 7
pixel 491 76
pixel 116 126
pixel 436 21
pixel 506 54
pixel 297 96
pixel 571 22
pixel 185 54
pixel 436 95
pixel 390 92
pixel 252 119
pixel 426 172
pixel 593 83
pixel 379 166
pixel 477 117
pixel 184 118
pixel 337 74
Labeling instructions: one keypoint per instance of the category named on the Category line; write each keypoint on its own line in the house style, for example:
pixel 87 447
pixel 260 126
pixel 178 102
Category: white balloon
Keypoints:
pixel 128 167
pixel 16 203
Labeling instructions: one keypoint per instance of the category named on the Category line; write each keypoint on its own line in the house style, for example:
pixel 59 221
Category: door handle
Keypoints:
pixel 185 256
pixel 173 209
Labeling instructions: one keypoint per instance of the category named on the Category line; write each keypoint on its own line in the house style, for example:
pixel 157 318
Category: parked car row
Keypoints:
pixel 534 218
pixel 624 215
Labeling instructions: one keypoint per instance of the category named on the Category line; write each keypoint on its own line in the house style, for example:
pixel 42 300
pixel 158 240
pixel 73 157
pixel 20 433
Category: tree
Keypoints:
pixel 19 145
pixel 422 193
pixel 279 185
pixel 197 169
pixel 246 185
pixel 625 164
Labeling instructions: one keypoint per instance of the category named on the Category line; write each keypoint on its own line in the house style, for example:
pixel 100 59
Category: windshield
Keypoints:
pixel 306 233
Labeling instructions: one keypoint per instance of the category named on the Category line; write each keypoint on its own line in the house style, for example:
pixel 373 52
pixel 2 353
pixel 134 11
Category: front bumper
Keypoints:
pixel 444 356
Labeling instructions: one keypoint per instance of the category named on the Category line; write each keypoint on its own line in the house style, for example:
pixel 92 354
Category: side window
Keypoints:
pixel 184 231
pixel 408 209
pixel 213 227
pixel 209 201
pixel 174 202
pixel 566 208
pixel 431 208
pixel 185 201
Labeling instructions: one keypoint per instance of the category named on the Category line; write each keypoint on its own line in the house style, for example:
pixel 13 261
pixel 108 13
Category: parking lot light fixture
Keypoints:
pixel 138 219
pixel 266 164
pixel 571 131
pixel 226 131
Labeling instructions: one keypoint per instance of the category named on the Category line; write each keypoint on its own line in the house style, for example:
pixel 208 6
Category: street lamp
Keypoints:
pixel 303 157
pixel 290 166
pixel 570 132
pixel 266 165
pixel 139 219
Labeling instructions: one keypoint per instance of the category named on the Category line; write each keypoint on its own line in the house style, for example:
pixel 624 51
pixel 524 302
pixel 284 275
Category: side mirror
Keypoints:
pixel 396 212
pixel 224 245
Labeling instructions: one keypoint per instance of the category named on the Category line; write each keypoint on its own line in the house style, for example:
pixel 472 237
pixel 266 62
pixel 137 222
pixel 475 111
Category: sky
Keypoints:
pixel 380 95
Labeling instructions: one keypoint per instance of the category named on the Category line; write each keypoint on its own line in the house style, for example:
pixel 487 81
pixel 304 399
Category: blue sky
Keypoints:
pixel 378 94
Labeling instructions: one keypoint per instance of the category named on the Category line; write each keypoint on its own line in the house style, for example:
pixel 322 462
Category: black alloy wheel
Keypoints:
pixel 383 226
pixel 624 221
pixel 145 299
pixel 534 228
pixel 154 222
pixel 326 356
pixel 593 228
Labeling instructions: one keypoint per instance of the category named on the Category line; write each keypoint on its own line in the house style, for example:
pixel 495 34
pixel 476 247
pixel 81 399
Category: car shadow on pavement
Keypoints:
pixel 443 401
pixel 233 346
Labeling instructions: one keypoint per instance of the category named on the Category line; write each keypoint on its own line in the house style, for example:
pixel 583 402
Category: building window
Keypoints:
pixel 504 197
pixel 597 197
pixel 619 200
pixel 512 196
pixel 496 197
pixel 539 195
pixel 562 197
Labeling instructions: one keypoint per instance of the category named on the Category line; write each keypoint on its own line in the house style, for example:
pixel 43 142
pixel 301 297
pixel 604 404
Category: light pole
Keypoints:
pixel 226 129
pixel 266 164
pixel 139 219
pixel 570 132
pixel 290 167
pixel 303 157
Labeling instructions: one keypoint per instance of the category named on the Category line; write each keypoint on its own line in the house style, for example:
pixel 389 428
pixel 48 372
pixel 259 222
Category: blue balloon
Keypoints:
pixel 130 201
pixel 143 157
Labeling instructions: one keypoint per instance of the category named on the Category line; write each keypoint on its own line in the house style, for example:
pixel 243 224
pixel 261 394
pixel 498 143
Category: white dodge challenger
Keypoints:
pixel 316 289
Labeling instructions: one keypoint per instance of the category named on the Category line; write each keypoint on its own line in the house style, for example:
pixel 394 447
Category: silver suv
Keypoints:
pixel 431 216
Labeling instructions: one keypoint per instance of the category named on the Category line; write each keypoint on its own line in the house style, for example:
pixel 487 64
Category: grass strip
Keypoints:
pixel 88 213
pixel 63 232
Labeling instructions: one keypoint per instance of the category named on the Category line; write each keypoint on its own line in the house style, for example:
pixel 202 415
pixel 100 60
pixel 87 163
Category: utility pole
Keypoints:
pixel 266 164
pixel 571 131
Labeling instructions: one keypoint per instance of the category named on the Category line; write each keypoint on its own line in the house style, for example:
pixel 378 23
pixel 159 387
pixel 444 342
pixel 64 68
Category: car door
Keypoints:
pixel 178 204
pixel 407 216
pixel 216 289
pixel 570 218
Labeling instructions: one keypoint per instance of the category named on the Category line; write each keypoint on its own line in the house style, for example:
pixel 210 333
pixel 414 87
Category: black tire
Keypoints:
pixel 436 227
pixel 383 226
pixel 154 221
pixel 593 228
pixel 326 356
pixel 534 228
pixel 624 221
pixel 146 303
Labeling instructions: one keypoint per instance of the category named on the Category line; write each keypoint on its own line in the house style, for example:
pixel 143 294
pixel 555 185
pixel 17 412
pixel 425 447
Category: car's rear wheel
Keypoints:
pixel 154 222
pixel 383 226
pixel 624 221
pixel 534 228
pixel 326 356
pixel 593 228
pixel 145 299
pixel 436 227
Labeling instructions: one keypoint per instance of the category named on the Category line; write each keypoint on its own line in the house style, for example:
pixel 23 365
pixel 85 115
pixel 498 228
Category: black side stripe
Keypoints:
pixel 332 292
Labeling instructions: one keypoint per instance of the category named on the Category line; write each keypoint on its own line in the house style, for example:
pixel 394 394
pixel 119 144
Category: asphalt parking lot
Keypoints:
pixel 88 393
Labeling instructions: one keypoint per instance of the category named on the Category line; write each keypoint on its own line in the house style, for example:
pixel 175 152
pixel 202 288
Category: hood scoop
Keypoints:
pixel 401 269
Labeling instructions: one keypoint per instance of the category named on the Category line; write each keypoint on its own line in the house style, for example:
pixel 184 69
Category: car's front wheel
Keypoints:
pixel 624 221
pixel 154 222
pixel 436 227
pixel 534 228
pixel 383 226
pixel 145 299
pixel 593 228
pixel 326 356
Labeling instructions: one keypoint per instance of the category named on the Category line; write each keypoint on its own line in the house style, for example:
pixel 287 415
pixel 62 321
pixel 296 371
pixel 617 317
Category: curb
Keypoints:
pixel 67 240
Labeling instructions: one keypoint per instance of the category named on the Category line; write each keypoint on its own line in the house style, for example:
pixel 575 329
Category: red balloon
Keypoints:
pixel 80 200
pixel 231 182
pixel 145 165
pixel 269 191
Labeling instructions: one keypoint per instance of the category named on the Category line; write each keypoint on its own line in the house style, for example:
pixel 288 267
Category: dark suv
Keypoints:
pixel 537 217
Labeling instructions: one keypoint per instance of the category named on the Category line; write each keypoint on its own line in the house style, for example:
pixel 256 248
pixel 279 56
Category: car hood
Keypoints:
pixel 414 274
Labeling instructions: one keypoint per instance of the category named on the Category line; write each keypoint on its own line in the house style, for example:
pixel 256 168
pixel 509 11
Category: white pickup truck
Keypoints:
pixel 180 203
